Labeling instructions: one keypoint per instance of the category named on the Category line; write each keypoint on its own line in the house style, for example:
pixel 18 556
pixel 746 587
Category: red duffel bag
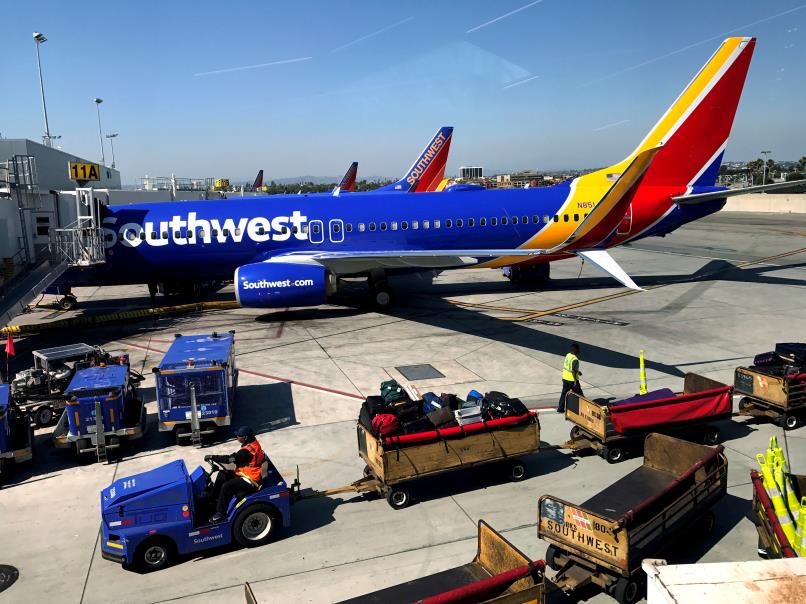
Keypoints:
pixel 385 424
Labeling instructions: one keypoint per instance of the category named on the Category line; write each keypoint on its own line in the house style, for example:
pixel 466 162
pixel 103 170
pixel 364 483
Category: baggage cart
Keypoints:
pixel 394 462
pixel 102 411
pixel 772 542
pixel 603 540
pixel 499 574
pixel 767 392
pixel 196 384
pixel 613 429
pixel 16 434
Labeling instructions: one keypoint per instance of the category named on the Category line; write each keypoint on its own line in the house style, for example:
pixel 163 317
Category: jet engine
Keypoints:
pixel 281 284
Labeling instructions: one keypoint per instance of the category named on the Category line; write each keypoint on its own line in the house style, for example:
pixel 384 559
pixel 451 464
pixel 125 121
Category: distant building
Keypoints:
pixel 471 172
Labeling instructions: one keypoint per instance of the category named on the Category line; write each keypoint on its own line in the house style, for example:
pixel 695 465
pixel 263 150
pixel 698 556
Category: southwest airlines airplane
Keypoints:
pixel 289 250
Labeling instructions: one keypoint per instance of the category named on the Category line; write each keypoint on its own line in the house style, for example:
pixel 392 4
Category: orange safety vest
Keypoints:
pixel 251 471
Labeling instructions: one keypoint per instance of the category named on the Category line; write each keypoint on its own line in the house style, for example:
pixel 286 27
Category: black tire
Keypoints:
pixel 256 525
pixel 551 558
pixel 744 404
pixel 576 432
pixel 517 471
pixel 367 472
pixel 613 454
pixel 627 591
pixel 179 432
pixel 43 416
pixel 790 422
pixel 382 297
pixel 154 554
pixel 762 551
pixel 68 302
pixel 711 436
pixel 398 498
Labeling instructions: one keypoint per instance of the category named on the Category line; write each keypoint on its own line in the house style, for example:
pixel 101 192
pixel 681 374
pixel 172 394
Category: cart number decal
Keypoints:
pixel 129 484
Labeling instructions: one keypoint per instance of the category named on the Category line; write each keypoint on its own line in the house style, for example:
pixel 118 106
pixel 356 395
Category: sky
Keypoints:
pixel 212 89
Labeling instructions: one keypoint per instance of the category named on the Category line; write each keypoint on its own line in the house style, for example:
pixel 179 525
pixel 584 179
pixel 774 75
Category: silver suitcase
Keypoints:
pixel 468 415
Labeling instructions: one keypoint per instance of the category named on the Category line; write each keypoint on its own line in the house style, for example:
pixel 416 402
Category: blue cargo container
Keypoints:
pixel 200 367
pixel 100 401
pixel 16 434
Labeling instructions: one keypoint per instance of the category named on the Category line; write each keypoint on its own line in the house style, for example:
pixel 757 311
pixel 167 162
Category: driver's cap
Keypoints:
pixel 245 432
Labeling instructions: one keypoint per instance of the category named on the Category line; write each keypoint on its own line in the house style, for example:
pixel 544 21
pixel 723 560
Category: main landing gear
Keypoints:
pixel 382 295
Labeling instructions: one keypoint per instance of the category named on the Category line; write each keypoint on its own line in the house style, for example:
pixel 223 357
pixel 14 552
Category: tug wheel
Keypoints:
pixel 256 525
pixel 154 554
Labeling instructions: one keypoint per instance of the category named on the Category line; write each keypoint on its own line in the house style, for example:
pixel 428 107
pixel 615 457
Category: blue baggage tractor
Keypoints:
pixel 16 435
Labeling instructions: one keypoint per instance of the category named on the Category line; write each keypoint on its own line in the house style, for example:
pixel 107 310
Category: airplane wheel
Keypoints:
pixel 256 525
pixel 382 296
pixel 68 302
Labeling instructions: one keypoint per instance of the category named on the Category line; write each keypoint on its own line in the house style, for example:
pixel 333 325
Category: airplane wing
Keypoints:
pixel 604 261
pixel 702 197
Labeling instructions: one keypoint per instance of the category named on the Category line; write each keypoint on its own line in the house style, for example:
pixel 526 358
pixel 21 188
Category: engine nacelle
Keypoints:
pixel 281 284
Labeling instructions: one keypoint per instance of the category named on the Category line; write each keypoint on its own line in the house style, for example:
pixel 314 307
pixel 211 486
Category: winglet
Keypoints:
pixel 604 261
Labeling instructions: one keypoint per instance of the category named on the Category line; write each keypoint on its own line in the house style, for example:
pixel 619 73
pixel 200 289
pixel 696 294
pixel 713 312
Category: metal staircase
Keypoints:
pixel 81 243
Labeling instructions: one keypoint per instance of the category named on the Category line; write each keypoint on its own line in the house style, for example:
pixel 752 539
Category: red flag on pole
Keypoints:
pixel 10 346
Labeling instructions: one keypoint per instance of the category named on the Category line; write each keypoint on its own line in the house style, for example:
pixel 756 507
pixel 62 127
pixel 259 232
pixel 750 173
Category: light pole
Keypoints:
pixel 41 39
pixel 100 135
pixel 112 144
pixel 764 172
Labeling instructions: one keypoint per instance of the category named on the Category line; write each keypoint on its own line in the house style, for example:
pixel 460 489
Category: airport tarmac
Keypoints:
pixel 719 291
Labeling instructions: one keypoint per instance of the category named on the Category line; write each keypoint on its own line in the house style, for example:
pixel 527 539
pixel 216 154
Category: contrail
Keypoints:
pixel 613 125
pixel 257 66
pixel 519 82
pixel 375 33
pixel 509 14
pixel 689 46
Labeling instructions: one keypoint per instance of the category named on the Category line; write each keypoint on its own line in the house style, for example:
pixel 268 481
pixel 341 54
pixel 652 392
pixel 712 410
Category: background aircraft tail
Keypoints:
pixel 348 181
pixel 694 130
pixel 258 181
pixel 428 169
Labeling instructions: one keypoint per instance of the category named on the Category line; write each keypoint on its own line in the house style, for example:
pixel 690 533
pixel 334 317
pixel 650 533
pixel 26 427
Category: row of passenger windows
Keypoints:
pixel 372 226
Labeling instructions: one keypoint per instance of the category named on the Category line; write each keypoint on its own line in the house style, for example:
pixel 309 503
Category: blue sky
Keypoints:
pixel 223 89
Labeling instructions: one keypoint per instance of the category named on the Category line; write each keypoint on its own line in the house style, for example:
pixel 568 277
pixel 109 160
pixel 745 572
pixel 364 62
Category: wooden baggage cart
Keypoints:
pixel 392 465
pixel 703 400
pixel 499 574
pixel 781 398
pixel 772 542
pixel 603 540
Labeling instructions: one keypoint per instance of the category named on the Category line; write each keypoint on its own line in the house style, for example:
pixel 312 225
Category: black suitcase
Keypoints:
pixel 376 405
pixel 405 410
pixel 415 426
pixel 767 359
pixel 441 417
pixel 452 401
pixel 364 417
pixel 793 353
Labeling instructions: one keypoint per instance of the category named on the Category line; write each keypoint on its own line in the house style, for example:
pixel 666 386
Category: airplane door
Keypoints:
pixel 625 226
pixel 336 231
pixel 316 232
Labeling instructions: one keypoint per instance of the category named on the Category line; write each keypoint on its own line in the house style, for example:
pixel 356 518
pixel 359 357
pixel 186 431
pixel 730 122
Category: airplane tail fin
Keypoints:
pixel 694 130
pixel 348 181
pixel 258 181
pixel 428 169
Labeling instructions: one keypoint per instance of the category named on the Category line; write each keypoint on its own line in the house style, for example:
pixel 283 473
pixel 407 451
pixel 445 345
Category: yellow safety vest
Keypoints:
pixel 568 367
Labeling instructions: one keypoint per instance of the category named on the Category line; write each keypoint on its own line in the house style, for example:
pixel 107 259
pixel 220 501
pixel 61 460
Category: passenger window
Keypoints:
pixel 459 223
pixel 504 220
pixel 436 224
pixel 153 235
pixel 576 217
pixel 482 222
pixel 586 215
pixel 493 221
pixel 535 219
pixel 336 228
pixel 295 230
pixel 556 218
pixel 525 220
pixel 261 231
pixel 361 227
pixel 383 226
pixel 514 220
pixel 348 227
pixel 404 225
pixel 165 235
pixel 315 228
pixel 546 218
pixel 565 217
pixel 394 225
pixel 142 236
pixel 426 224
pixel 448 223
pixel 237 232
pixel 471 222
pixel 415 225
pixel 284 230
pixel 201 234
pixel 372 226
pixel 130 235
pixel 225 232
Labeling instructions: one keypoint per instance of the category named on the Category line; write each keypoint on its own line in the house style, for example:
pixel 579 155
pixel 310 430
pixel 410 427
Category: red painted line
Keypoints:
pixel 266 376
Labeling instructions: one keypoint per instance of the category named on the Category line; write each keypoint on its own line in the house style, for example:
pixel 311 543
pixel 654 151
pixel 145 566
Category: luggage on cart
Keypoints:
pixel 385 424
pixel 767 359
pixel 468 415
pixel 415 426
pixel 441 418
pixel 792 352
pixel 392 392
pixel 405 409
pixel 376 405
pixel 431 402
pixel 497 405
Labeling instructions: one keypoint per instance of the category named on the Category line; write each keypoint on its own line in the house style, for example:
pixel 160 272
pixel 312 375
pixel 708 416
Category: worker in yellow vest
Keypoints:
pixel 571 375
